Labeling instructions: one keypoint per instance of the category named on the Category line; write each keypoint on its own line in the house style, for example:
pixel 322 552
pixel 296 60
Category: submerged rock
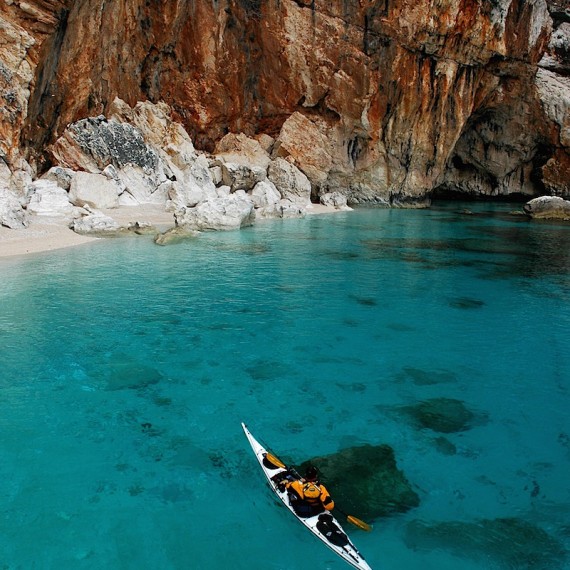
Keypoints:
pixel 365 481
pixel 125 373
pixel 175 235
pixel 423 377
pixel 510 542
pixel 444 446
pixel 466 303
pixel 444 415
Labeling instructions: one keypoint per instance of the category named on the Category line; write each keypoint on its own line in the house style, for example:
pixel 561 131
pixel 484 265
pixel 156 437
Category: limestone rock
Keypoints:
pixel 216 174
pixel 223 191
pixel 376 488
pixel 5 175
pixel 175 235
pixel 49 199
pixel 139 188
pixel 266 141
pixel 184 195
pixel 301 139
pixel 60 176
pixel 241 176
pixel 12 215
pixel 241 149
pixel 336 199
pixel 548 208
pixel 20 182
pixel 554 91
pixel 556 174
pixel 287 209
pixel 92 144
pixel 290 182
pixel 557 58
pixel 158 129
pixel 95 190
pixel 97 224
pixel 228 213
pixel 182 175
pixel 191 186
pixel 265 198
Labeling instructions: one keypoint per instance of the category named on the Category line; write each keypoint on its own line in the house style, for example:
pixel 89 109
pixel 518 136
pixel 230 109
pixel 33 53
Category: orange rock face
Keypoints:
pixel 387 100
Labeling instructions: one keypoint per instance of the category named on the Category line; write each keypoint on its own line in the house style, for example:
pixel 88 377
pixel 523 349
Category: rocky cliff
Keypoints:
pixel 388 101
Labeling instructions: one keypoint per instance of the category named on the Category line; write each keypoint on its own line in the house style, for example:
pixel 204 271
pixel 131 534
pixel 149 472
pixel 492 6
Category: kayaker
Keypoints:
pixel 308 496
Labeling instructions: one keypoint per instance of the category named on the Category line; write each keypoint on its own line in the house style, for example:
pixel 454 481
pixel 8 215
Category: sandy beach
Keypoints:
pixel 47 233
pixel 41 235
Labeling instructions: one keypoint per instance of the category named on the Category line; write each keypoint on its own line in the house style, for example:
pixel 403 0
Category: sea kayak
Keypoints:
pixel 324 526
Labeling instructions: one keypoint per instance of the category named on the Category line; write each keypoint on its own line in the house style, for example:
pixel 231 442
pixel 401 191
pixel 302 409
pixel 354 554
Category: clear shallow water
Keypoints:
pixel 126 369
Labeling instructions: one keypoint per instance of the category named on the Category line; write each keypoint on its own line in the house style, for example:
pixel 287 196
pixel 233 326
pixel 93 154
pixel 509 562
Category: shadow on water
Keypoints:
pixel 537 250
pixel 497 251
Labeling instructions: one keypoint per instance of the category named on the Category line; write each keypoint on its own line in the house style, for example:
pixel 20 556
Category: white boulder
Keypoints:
pixel 548 208
pixel 95 190
pixel 49 199
pixel 96 223
pixel 291 183
pixel 335 199
pixel 12 215
pixel 265 194
pixel 242 176
pixel 241 149
pixel 226 213
pixel 60 175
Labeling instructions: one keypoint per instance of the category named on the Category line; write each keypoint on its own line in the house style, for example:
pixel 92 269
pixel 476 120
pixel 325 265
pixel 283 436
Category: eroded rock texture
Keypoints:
pixel 385 100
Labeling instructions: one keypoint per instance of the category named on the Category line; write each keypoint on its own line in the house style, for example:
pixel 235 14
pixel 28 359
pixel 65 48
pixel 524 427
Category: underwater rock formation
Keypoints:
pixel 510 542
pixel 375 487
pixel 444 415
pixel 385 101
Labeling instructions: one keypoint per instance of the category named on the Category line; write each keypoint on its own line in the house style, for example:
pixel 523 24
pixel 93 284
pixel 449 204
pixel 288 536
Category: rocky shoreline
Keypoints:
pixel 50 233
pixel 137 172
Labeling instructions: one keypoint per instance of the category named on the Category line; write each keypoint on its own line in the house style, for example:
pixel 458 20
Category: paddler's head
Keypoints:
pixel 312 473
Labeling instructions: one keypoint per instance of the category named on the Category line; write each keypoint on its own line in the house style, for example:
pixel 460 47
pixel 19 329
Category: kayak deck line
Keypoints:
pixel 274 473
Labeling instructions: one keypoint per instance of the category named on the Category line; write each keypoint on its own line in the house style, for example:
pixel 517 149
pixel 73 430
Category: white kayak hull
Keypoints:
pixel 347 552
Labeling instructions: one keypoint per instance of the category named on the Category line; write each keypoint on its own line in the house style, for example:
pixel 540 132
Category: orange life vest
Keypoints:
pixel 313 493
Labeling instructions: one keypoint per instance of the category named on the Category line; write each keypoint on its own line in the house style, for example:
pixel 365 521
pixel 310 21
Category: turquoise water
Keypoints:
pixel 126 369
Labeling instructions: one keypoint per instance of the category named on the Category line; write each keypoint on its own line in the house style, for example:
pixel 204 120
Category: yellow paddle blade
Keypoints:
pixel 359 523
pixel 275 461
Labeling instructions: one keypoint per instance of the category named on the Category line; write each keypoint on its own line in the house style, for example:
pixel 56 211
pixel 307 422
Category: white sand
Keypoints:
pixel 43 234
pixel 46 233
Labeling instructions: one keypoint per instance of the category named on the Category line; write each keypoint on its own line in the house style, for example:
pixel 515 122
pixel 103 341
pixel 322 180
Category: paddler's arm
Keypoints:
pixel 326 500
pixel 285 484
